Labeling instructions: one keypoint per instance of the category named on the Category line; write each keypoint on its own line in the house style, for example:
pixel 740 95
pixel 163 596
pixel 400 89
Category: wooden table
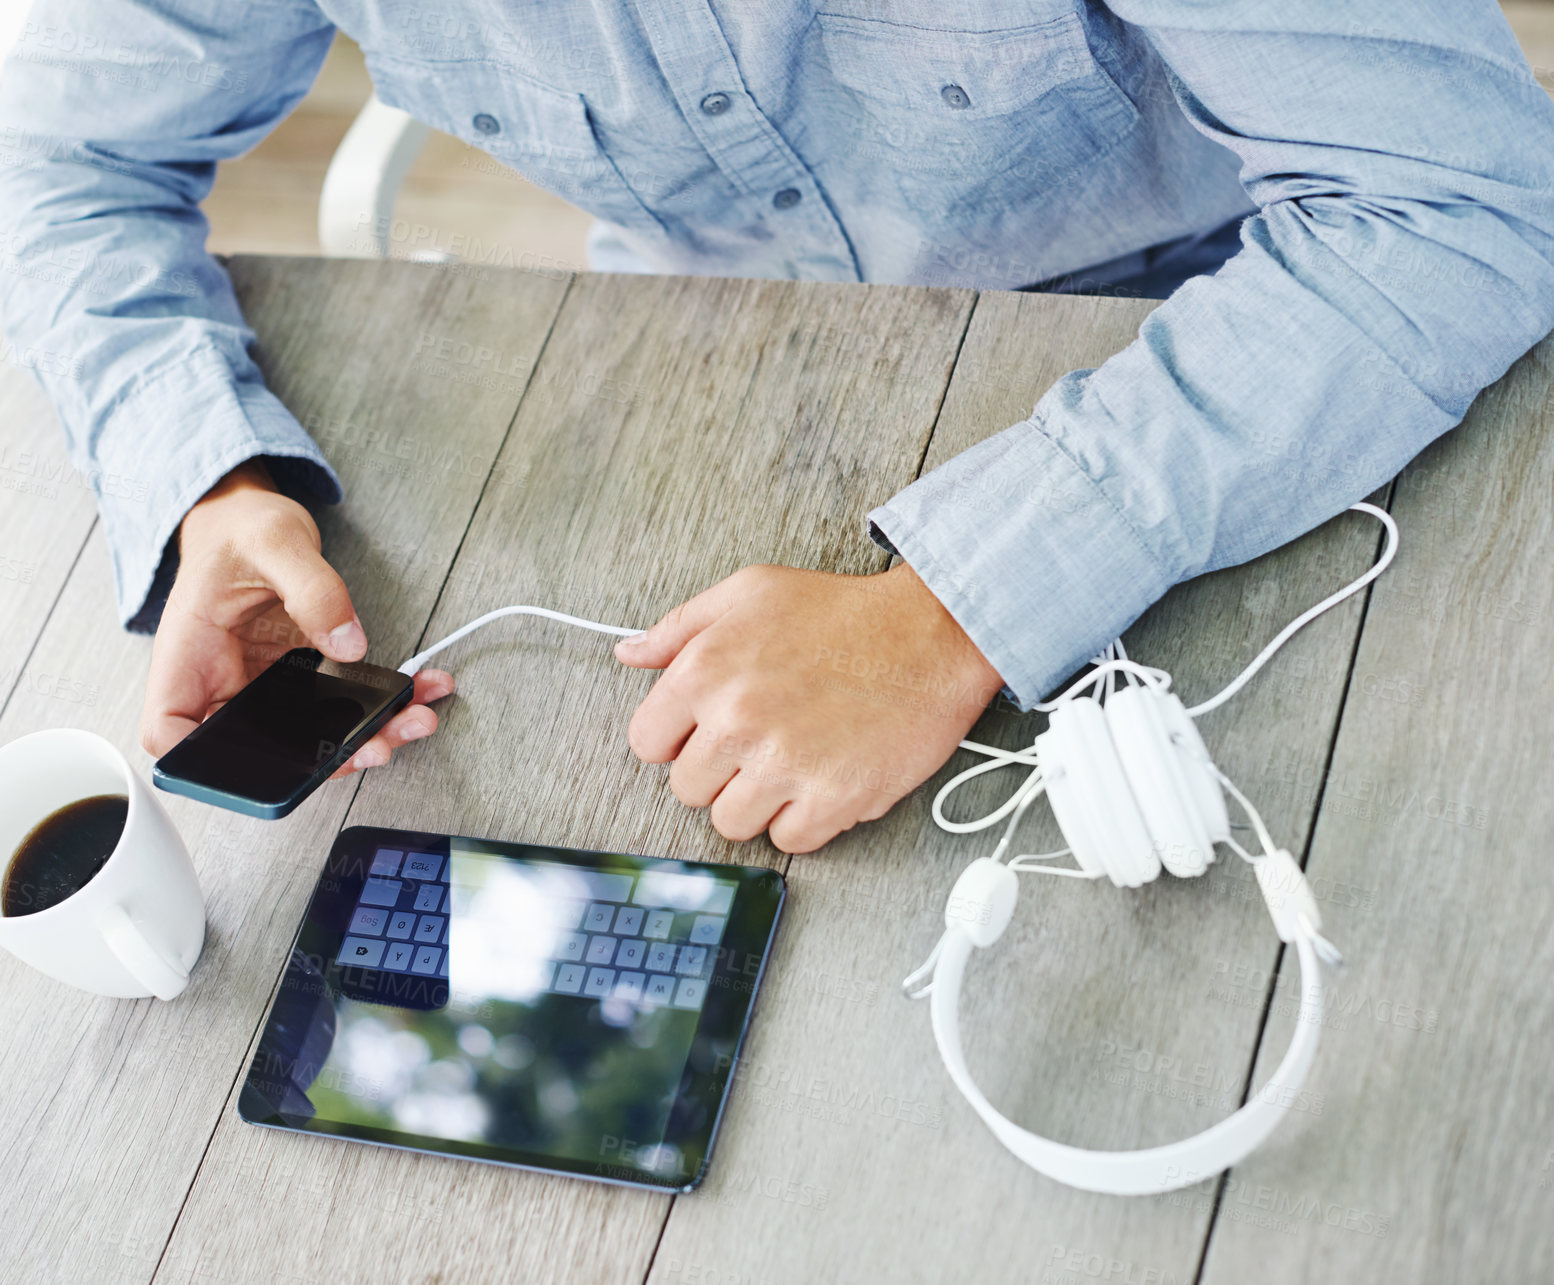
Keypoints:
pixel 611 445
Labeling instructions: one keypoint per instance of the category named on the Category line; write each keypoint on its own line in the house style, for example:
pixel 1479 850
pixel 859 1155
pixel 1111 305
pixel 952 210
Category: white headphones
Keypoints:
pixel 1133 789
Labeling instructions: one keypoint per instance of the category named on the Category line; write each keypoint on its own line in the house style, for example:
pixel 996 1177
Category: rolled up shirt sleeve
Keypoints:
pixel 1402 257
pixel 112 120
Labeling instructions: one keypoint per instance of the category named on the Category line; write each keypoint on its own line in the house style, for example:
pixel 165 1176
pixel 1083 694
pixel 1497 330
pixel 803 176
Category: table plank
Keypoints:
pixel 106 1106
pixel 1435 1156
pixel 675 430
pixel 46 510
pixel 847 1154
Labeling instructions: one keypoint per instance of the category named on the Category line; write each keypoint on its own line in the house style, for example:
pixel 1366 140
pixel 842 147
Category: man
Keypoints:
pixel 1350 207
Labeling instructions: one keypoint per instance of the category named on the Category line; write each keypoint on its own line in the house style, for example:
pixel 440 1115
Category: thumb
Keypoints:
pixel 314 596
pixel 662 643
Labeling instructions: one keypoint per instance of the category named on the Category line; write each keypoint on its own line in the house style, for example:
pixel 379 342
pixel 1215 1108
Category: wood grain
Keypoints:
pixel 106 1106
pixel 672 431
pixel 675 430
pixel 46 509
pixel 848 1155
pixel 1434 1156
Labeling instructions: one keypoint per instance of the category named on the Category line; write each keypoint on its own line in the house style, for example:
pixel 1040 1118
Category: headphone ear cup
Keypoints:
pixel 1158 775
pixel 1207 795
pixel 1060 781
pixel 1091 798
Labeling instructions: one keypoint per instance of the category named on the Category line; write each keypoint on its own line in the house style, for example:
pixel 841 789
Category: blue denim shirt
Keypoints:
pixel 1390 167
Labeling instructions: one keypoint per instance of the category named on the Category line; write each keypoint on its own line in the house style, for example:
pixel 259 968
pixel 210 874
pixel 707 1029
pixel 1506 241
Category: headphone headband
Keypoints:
pixel 1156 1169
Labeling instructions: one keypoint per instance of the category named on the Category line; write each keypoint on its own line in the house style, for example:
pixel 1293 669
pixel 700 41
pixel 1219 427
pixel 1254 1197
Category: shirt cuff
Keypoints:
pixel 1029 554
pixel 167 444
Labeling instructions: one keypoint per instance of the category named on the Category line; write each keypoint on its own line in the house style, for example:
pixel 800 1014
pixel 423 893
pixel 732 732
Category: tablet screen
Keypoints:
pixel 560 1010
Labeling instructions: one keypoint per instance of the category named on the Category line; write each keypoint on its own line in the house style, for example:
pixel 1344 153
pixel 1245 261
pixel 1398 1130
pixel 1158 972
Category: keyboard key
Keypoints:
pixel 628 986
pixel 570 946
pixel 398 956
pixel 599 917
pixel 569 978
pixel 631 953
pixel 401 924
pixel 429 897
pixel 380 892
pixel 692 960
pixel 447 902
pixel 447 931
pixel 707 930
pixel 600 950
pixel 660 958
pixel 659 924
pixel 569 914
pixel 628 920
pixel 429 928
pixel 426 959
pixel 369 920
pixel 386 862
pixel 422 865
pixel 600 980
pixel 690 993
pixel 697 892
pixel 659 990
pixel 601 885
pixel 442 968
pixel 360 952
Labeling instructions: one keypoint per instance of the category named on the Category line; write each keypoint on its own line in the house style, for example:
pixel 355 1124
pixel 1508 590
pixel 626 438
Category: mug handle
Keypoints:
pixel 145 962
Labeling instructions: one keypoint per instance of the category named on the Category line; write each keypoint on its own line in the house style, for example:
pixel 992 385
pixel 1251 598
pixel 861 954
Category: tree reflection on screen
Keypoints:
pixel 503 1062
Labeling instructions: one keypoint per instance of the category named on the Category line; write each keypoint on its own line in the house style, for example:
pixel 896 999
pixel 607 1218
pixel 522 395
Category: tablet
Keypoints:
pixel 573 1012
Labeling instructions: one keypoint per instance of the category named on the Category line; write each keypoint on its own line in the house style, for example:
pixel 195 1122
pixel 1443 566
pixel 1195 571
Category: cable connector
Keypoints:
pixel 1290 900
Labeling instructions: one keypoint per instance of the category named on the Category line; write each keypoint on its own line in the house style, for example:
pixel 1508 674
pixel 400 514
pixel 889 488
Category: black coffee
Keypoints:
pixel 63 853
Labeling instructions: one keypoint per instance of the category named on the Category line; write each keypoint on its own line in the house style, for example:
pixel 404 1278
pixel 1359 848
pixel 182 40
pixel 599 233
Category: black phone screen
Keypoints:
pixel 292 726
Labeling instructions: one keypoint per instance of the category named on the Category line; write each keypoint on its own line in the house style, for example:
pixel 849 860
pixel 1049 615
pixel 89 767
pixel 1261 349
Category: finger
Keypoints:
pixel 745 806
pixel 662 723
pixel 431 685
pixel 312 593
pixel 159 732
pixel 662 643
pixel 176 699
pixel 700 770
pixel 800 827
pixel 189 673
pixel 411 724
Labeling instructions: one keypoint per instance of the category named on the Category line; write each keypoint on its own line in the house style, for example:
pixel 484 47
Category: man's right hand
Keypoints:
pixel 251 585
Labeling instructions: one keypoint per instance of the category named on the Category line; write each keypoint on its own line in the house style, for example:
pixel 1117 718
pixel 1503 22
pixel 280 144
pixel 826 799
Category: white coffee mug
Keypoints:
pixel 137 926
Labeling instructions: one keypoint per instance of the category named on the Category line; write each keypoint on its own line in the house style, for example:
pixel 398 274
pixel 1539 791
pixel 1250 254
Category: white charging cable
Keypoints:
pixel 415 663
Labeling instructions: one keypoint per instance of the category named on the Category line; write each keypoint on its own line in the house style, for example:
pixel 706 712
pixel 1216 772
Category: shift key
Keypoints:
pixel 380 892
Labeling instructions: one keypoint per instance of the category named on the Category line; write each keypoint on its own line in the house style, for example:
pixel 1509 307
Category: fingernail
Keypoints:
pixel 416 731
pixel 348 639
pixel 370 758
pixel 636 640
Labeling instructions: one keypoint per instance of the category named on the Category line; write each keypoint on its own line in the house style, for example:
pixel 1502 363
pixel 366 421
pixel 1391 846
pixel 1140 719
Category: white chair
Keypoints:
pixel 356 207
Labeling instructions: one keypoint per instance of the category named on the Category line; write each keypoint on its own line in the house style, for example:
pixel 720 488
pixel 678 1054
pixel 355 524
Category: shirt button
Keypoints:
pixel 487 124
pixel 715 104
pixel 955 96
pixel 786 199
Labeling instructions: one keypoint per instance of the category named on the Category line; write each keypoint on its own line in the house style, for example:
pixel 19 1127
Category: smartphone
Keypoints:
pixel 281 737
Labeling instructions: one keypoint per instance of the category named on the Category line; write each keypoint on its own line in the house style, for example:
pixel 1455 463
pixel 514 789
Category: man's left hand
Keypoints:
pixel 801 702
